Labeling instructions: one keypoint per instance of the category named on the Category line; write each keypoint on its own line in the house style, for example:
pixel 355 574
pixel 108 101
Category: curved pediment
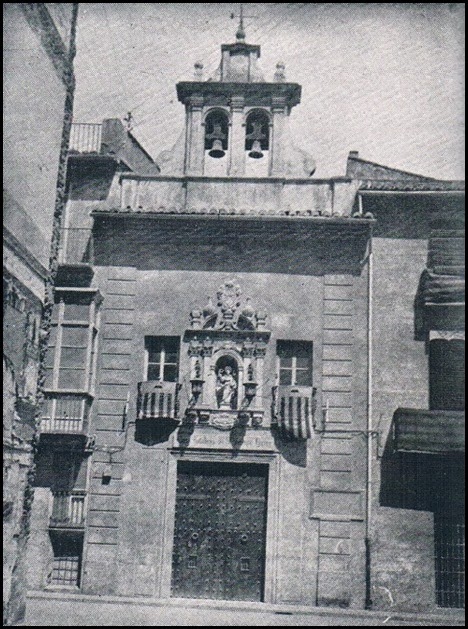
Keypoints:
pixel 229 314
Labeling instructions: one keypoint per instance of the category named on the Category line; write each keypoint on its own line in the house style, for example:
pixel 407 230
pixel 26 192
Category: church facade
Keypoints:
pixel 254 376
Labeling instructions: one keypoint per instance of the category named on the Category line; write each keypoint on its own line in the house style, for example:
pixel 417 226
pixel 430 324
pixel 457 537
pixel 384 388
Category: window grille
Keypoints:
pixel 449 533
pixel 66 571
pixel 66 564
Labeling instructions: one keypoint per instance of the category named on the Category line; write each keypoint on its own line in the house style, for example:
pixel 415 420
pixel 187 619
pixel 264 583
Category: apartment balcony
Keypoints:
pixel 85 138
pixel 98 146
pixel 64 420
pixel 425 431
pixel 68 511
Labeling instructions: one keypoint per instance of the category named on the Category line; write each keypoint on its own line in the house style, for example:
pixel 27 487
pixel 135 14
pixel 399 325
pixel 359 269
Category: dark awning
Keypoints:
pixel 436 432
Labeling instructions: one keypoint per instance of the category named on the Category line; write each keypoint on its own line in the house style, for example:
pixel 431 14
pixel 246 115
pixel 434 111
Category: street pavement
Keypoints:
pixel 46 612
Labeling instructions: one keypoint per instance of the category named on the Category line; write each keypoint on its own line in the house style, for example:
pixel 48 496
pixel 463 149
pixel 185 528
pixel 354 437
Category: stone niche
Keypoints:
pixel 226 343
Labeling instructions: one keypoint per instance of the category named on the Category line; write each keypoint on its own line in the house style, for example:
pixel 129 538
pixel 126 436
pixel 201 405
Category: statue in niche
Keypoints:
pixel 226 386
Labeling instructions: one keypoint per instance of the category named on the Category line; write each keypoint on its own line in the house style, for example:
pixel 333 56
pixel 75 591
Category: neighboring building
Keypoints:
pixel 39 46
pixel 235 347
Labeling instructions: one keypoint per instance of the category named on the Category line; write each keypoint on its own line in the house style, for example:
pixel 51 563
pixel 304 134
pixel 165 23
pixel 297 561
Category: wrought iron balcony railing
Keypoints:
pixel 68 509
pixel 65 413
pixel 85 138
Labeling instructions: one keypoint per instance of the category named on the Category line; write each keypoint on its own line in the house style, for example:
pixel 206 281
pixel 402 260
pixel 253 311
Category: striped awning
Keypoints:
pixel 157 400
pixel 294 411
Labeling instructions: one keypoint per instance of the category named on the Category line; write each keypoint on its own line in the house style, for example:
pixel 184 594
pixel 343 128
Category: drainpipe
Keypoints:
pixel 369 431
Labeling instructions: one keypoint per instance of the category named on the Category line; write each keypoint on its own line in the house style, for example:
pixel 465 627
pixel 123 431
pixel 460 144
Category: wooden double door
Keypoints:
pixel 220 531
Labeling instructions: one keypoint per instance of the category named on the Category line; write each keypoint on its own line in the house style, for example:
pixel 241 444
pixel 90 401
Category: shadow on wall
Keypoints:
pixel 149 432
pixel 59 470
pixel 90 180
pixel 414 216
pixel 229 246
pixel 293 450
pixel 405 483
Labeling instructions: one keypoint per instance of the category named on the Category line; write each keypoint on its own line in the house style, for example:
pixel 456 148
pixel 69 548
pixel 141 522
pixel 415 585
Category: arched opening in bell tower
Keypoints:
pixel 216 143
pixel 257 143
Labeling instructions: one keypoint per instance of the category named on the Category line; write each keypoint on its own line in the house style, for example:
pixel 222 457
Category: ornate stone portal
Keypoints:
pixel 227 344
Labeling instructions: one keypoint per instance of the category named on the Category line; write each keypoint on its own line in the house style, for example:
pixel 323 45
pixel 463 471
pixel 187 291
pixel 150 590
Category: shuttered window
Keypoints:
pixel 447 375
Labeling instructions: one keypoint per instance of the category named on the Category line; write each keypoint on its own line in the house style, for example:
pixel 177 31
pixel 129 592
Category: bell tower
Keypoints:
pixel 236 122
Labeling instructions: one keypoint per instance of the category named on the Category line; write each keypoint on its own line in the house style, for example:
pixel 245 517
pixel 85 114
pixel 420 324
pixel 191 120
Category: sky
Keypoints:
pixel 384 79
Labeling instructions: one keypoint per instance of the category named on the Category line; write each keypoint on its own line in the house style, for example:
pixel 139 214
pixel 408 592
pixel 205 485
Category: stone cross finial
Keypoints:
pixel 240 35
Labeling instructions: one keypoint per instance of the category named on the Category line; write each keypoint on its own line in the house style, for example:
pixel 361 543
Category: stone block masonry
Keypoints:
pixel 108 424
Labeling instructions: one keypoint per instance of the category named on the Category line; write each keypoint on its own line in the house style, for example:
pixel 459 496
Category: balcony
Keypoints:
pixel 68 510
pixel 65 419
pixel 424 431
pixel 293 410
pixel 157 411
pixel 85 138
pixel 103 144
pixel 158 400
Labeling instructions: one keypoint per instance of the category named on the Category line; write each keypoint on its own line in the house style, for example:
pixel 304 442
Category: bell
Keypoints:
pixel 256 151
pixel 217 149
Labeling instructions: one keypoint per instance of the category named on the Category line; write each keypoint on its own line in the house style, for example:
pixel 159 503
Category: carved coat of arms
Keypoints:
pixel 228 296
pixel 223 421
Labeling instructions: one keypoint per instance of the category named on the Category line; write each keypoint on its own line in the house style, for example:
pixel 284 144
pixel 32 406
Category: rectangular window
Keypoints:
pixel 162 358
pixel 69 361
pixel 77 312
pixel 295 363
